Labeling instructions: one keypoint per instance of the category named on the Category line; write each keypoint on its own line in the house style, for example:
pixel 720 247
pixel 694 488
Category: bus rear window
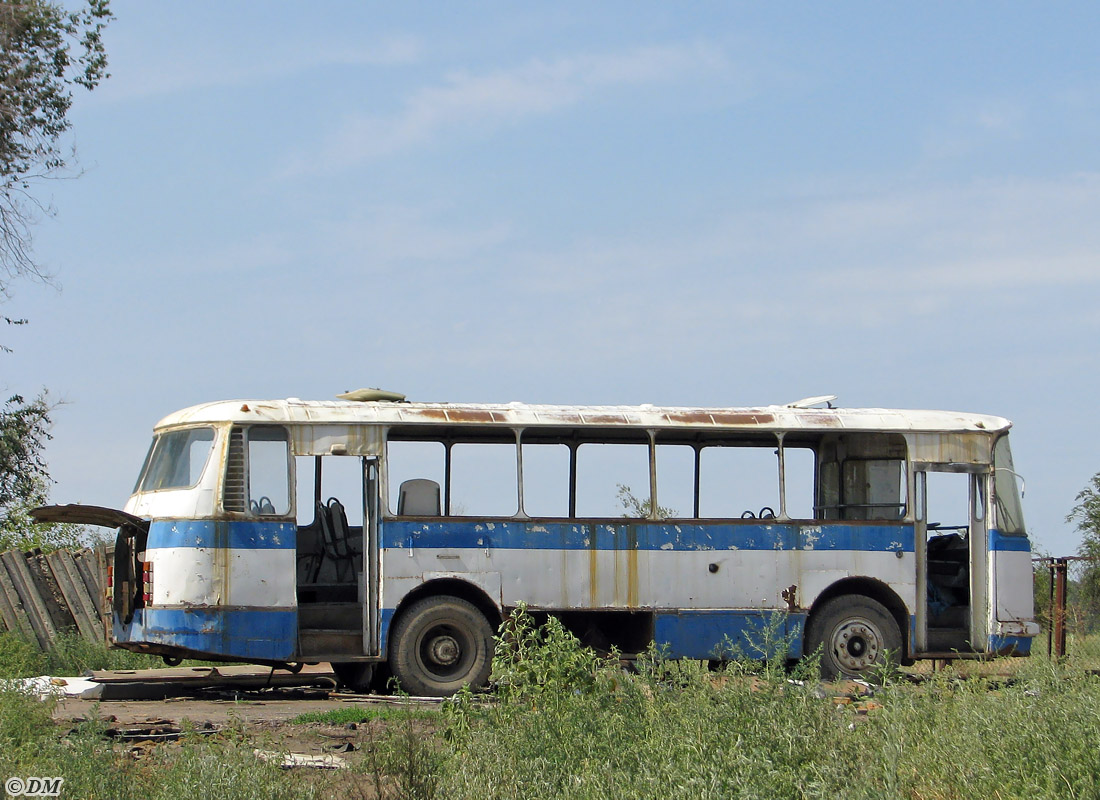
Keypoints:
pixel 176 460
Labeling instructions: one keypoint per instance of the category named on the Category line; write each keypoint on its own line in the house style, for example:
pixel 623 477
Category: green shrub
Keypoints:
pixel 20 658
pixel 586 729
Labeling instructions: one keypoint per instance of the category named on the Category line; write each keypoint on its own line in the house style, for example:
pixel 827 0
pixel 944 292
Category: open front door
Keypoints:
pixel 337 557
pixel 369 576
pixel 953 558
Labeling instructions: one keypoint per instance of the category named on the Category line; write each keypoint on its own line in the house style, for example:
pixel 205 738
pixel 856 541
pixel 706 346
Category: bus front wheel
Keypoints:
pixel 856 635
pixel 439 645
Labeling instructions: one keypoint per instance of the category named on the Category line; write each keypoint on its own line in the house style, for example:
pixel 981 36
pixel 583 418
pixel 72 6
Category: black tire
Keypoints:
pixel 439 645
pixel 355 675
pixel 856 634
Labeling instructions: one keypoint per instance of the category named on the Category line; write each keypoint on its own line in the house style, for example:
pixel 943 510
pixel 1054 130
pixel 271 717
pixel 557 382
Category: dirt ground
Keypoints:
pixel 261 714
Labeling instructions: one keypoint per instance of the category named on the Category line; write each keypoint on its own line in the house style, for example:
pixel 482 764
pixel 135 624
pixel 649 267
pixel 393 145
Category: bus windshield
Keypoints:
pixel 176 460
pixel 1010 514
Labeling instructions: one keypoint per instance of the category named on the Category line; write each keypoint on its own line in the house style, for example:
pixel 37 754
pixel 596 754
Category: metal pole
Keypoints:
pixel 1059 566
pixel 1050 608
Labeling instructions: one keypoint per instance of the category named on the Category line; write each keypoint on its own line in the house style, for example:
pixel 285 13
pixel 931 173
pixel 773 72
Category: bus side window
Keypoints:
pixel 798 482
pixel 407 460
pixel 483 480
pixel 268 471
pixel 546 480
pixel 874 488
pixel 740 481
pixel 675 481
pixel 613 480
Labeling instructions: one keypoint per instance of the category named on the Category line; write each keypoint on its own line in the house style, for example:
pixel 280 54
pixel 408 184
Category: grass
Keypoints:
pixel 69 654
pixel 678 730
pixel 568 724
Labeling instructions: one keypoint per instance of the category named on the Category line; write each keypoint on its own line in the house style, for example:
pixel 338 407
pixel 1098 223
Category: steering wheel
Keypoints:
pixel 748 515
pixel 766 513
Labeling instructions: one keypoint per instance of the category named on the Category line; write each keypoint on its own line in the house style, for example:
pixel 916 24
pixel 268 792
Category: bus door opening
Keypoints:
pixel 336 500
pixel 951 521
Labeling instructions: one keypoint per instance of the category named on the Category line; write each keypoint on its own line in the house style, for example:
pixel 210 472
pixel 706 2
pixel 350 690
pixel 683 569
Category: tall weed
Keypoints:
pixel 586 729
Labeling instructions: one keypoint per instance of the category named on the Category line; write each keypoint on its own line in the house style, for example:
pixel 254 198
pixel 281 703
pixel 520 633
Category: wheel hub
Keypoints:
pixel 856 645
pixel 444 650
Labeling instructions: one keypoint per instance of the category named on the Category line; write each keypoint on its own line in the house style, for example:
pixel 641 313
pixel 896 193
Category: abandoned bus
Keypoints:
pixel 372 531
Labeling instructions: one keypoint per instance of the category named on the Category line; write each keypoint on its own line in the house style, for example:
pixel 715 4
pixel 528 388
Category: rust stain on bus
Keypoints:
pixel 470 415
pixel 425 413
pixel 593 569
pixel 735 418
pixel 598 418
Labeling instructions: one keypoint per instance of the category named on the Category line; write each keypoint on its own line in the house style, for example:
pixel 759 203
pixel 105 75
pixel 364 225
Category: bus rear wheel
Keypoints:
pixel 355 675
pixel 856 635
pixel 439 645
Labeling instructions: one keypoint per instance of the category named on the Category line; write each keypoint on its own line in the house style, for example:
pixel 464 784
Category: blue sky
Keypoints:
pixel 704 204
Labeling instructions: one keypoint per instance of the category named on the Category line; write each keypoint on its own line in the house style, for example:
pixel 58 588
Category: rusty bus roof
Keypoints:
pixel 774 418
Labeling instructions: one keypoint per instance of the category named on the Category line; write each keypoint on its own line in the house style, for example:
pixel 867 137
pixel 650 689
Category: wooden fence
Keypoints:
pixel 43 594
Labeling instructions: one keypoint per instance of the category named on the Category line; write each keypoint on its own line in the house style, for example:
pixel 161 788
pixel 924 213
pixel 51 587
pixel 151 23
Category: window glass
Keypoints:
pixel 977 494
pixel 177 459
pixel 612 480
pixel 874 488
pixel 483 480
pixel 738 481
pixel 829 491
pixel 546 480
pixel 268 471
pixel 1007 488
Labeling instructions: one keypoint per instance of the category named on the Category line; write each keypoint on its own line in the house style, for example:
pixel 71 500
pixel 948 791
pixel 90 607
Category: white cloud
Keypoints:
pixel 854 258
pixel 168 71
pixel 986 122
pixel 495 99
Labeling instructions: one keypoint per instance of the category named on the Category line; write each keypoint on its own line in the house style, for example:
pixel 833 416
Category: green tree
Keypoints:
pixel 1086 517
pixel 46 52
pixel 24 479
pixel 38 73
pixel 638 508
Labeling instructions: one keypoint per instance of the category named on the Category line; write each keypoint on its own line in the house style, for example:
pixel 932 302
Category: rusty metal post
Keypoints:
pixel 1058 568
pixel 1050 606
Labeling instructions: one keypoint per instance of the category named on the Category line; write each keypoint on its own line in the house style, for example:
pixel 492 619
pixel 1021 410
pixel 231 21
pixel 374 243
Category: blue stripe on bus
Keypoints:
pixel 1010 645
pixel 1005 542
pixel 546 535
pixel 239 633
pixel 707 634
pixel 384 630
pixel 243 535
pixel 736 633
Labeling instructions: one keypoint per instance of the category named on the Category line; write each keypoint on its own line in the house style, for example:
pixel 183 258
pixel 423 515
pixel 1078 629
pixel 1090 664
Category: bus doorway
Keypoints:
pixel 337 557
pixel 952 585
